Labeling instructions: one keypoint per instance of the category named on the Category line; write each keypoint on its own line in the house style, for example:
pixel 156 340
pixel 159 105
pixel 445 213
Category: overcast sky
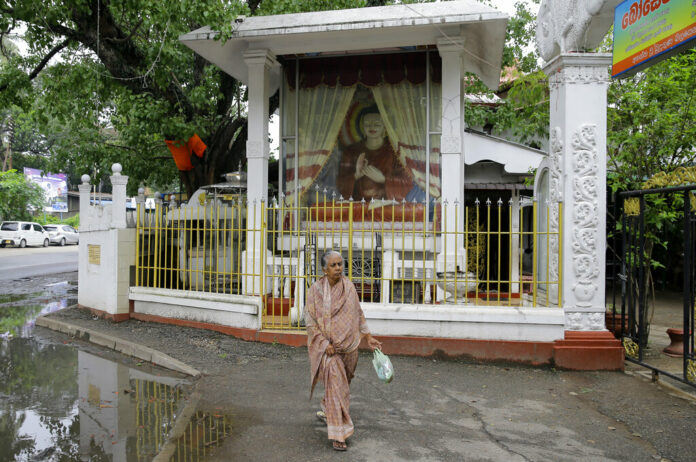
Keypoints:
pixel 508 6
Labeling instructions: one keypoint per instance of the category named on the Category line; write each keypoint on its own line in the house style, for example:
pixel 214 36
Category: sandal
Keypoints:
pixel 339 446
pixel 321 416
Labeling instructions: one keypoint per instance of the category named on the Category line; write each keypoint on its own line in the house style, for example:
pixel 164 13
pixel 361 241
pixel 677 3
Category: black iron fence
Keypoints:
pixel 653 232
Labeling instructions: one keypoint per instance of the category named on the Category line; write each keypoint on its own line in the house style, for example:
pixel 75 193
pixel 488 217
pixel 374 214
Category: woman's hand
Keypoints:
pixel 330 351
pixel 373 343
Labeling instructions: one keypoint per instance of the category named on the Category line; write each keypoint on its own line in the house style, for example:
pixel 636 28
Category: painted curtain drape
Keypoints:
pixel 320 114
pixel 403 112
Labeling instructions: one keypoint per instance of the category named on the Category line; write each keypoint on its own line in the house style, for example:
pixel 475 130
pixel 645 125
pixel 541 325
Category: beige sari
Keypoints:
pixel 333 316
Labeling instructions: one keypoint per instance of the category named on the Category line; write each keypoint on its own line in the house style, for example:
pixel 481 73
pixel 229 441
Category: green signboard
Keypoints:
pixel 647 31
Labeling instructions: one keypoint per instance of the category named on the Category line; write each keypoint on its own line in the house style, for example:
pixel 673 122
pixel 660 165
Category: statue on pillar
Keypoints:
pixel 572 25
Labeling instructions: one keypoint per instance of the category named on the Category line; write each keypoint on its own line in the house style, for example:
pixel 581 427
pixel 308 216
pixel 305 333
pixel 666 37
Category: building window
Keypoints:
pixel 366 127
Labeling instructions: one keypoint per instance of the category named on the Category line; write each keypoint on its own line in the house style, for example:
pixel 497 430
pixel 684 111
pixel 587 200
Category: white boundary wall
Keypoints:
pixel 226 310
pixel 454 321
pixel 106 250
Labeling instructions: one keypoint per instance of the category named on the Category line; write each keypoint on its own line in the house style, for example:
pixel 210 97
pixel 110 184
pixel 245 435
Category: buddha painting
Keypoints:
pixel 370 169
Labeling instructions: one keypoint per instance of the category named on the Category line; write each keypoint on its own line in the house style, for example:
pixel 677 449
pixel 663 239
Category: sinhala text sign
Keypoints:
pixel 647 31
pixel 55 186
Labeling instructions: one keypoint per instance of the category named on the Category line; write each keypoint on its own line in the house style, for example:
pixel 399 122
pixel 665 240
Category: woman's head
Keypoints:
pixel 332 264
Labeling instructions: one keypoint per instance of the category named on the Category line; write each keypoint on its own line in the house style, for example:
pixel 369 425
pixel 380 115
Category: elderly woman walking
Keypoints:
pixel 335 326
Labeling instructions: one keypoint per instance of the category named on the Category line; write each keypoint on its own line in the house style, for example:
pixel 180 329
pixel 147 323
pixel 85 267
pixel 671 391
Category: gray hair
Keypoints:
pixel 325 257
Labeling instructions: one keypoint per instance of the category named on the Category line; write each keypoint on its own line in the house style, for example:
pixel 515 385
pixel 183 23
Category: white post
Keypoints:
pixel 260 63
pixel 452 257
pixel 578 83
pixel 140 205
pixel 515 241
pixel 118 195
pixel 85 187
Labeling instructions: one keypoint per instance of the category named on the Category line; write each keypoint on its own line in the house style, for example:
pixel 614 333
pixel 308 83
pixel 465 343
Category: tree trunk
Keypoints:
pixel 7 161
pixel 226 152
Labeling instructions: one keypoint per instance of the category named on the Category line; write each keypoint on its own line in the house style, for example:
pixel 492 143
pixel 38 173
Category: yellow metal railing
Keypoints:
pixel 497 254
pixel 200 248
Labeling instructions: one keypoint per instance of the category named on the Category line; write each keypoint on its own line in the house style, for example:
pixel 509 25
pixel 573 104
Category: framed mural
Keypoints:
pixel 363 127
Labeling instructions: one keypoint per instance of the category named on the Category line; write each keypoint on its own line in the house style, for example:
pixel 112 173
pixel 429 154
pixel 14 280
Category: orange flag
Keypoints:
pixel 181 151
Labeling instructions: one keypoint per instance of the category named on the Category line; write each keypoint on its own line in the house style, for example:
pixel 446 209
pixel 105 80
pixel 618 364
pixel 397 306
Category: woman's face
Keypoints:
pixel 334 267
pixel 373 126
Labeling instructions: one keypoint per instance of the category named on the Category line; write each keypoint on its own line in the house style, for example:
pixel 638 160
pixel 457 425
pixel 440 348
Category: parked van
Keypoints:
pixel 22 234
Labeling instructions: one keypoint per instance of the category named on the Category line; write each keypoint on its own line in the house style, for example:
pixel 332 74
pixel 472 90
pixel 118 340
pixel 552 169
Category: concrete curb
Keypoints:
pixel 122 346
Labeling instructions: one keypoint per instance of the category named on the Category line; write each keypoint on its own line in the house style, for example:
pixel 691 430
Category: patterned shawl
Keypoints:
pixel 333 315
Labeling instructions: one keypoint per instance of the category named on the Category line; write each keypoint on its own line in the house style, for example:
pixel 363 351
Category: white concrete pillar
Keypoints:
pixel 578 125
pixel 118 197
pixel 452 256
pixel 140 205
pixel 85 188
pixel 260 63
pixel 515 240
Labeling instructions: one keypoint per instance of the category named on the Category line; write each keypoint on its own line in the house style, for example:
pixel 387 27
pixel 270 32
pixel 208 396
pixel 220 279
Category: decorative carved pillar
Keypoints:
pixel 555 200
pixel 578 83
pixel 118 194
pixel 452 257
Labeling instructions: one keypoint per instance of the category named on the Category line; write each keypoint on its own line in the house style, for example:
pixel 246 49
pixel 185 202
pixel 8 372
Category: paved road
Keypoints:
pixel 29 262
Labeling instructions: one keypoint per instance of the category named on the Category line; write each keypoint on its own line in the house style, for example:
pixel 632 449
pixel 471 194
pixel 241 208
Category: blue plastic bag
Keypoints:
pixel 383 366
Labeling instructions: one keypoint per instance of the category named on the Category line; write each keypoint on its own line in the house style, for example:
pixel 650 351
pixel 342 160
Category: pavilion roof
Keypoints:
pixel 360 30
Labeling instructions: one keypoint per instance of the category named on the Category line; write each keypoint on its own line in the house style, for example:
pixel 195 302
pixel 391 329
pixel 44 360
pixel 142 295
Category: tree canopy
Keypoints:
pixel 105 81
pixel 108 81
pixel 651 124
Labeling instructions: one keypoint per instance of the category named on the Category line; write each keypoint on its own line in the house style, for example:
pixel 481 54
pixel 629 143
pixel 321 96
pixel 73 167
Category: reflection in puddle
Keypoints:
pixel 19 311
pixel 62 404
pixel 126 411
pixel 204 432
pixel 20 320
pixel 12 298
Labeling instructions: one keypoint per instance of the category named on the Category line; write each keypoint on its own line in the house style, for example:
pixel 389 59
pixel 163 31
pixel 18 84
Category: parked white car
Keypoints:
pixel 22 234
pixel 62 234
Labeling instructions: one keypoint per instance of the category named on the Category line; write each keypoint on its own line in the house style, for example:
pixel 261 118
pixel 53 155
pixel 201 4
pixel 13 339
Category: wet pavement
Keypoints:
pixel 252 403
pixel 435 409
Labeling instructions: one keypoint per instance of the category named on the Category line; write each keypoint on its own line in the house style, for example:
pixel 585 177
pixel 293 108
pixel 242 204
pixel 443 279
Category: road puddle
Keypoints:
pixel 14 298
pixel 18 311
pixel 195 438
pixel 61 402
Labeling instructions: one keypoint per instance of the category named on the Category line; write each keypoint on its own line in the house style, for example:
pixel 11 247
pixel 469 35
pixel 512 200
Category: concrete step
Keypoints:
pixel 596 350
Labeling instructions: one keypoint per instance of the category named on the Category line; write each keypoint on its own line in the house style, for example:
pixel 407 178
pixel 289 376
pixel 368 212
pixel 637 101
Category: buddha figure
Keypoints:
pixel 370 169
